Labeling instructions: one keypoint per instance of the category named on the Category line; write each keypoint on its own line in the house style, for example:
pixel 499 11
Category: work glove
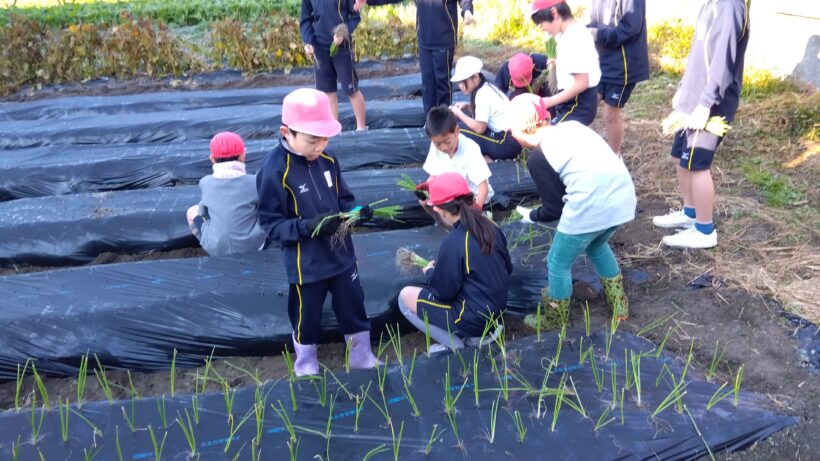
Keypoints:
pixel 329 227
pixel 365 213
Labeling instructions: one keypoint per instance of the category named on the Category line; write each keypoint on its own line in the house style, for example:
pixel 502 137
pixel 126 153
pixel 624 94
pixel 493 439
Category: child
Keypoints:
pixel 619 30
pixel 490 106
pixel 521 75
pixel 327 28
pixel 710 86
pixel 437 30
pixel 299 186
pixel 599 196
pixel 226 221
pixel 576 62
pixel 451 151
pixel 467 283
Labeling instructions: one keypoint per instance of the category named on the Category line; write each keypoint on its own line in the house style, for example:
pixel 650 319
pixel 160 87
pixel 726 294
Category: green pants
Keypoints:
pixel 565 250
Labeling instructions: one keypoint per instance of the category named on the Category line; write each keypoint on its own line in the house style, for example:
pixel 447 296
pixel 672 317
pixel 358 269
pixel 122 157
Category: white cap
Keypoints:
pixel 466 67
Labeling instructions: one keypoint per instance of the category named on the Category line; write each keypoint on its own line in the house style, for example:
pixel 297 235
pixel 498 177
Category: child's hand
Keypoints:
pixel 338 39
pixel 359 5
pixel 468 18
pixel 309 50
pixel 429 266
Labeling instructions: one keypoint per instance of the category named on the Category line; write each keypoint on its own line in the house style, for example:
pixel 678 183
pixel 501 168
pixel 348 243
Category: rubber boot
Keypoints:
pixel 361 355
pixel 554 314
pixel 616 296
pixel 306 363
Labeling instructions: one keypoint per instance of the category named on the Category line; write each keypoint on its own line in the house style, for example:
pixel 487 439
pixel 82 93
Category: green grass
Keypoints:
pixel 776 188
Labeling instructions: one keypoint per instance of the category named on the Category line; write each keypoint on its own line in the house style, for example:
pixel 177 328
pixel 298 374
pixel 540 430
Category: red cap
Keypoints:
pixel 521 67
pixel 527 110
pixel 308 111
pixel 539 5
pixel 444 188
pixel 227 145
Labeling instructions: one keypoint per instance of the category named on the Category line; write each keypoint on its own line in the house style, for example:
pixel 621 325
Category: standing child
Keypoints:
pixel 299 186
pixel 598 197
pixel 467 283
pixel 576 62
pixel 452 152
pixel 226 220
pixel 488 126
pixel 710 87
pixel 437 30
pixel 619 30
pixel 327 29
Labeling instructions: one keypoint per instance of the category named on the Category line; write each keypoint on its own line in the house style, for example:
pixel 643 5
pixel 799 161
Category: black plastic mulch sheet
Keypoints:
pixel 327 425
pixel 807 335
pixel 258 121
pixel 71 169
pixel 74 229
pixel 134 315
pixel 401 86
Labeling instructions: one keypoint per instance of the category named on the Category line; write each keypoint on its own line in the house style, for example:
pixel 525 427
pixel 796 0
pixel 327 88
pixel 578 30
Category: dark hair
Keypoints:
pixel 226 159
pixel 440 120
pixel 481 228
pixel 545 15
pixel 483 81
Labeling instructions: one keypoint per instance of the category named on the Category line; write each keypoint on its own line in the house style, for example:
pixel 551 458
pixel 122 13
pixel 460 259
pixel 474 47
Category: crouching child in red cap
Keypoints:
pixel 226 220
pixel 299 186
pixel 521 74
pixel 467 283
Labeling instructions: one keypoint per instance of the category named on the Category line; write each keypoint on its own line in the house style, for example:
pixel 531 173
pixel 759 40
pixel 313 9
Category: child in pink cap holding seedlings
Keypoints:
pixel 299 186
pixel 519 75
pixel 226 220
pixel 467 283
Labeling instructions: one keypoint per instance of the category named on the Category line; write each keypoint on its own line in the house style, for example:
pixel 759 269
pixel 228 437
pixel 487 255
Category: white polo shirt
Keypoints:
pixel 467 161
pixel 576 54
pixel 492 107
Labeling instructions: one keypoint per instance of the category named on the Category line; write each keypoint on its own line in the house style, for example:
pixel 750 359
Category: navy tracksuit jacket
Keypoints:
pixel 437 30
pixel 474 283
pixel 621 40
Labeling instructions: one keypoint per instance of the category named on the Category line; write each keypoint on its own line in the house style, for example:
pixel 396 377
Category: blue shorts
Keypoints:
pixel 441 314
pixel 582 108
pixel 339 68
pixel 695 149
pixel 615 94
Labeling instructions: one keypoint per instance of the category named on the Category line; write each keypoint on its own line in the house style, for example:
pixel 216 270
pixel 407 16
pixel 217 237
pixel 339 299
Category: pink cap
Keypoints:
pixel 521 67
pixel 527 111
pixel 308 111
pixel 444 188
pixel 227 145
pixel 539 5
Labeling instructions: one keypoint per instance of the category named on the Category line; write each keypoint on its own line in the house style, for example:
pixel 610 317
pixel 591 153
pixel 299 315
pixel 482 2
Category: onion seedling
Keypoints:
pixel 475 377
pixel 717 396
pixel 375 451
pixel 102 378
pixel 449 400
pixel 635 364
pixel 409 262
pixel 35 427
pixel 597 374
pixel 64 415
pixel 228 394
pixel 538 323
pixel 409 376
pixel 577 405
pixel 129 421
pixel 406 183
pixel 395 340
pixel 348 345
pixel 172 373
pixel 117 446
pixel 89 454
pixel 161 411
pixel 427 334
pixel 283 415
pixel 613 375
pixel 411 400
pixel 688 360
pixel 289 363
pixel 559 399
pixel 490 435
pixel 21 376
pixel 584 353
pixel 195 407
pixel 360 399
pixel 659 351
pixel 433 437
pixel 236 428
pixel 519 425
pixel 158 447
pixel 321 388
pixel 396 440
pixel 340 31
pixel 738 379
pixel 41 387
pixel 604 419
pixel 293 448
pixel 96 430
pixel 188 430
pixel 586 319
pixel 655 324
pixel 673 397
pixel 692 418
pixel 716 358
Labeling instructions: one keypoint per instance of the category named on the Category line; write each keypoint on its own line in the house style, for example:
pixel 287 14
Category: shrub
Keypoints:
pixel 669 43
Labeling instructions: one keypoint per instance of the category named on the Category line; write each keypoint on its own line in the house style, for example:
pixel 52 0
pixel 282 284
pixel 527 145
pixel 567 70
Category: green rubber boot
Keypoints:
pixel 554 314
pixel 616 296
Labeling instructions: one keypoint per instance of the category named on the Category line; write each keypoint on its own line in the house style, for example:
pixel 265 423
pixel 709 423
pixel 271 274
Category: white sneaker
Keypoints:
pixel 691 238
pixel 673 219
pixel 525 214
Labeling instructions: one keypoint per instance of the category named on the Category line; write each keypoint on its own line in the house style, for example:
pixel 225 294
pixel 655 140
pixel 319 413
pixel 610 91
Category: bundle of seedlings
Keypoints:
pixel 340 32
pixel 716 125
pixel 352 217
pixel 408 261
pixel 407 183
pixel 548 77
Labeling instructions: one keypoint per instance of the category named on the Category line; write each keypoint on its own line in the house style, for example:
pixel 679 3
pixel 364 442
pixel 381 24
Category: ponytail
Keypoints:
pixel 481 228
